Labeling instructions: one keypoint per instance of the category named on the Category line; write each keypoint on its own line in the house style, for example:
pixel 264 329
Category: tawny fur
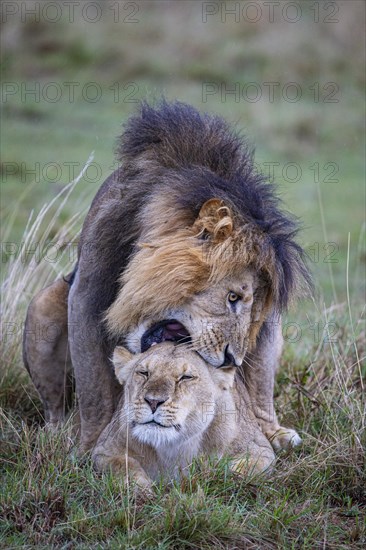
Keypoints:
pixel 205 415
pixel 45 350
pixel 186 211
pixel 181 263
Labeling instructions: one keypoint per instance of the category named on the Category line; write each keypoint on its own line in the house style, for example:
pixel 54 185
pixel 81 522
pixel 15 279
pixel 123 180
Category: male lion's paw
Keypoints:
pixel 284 439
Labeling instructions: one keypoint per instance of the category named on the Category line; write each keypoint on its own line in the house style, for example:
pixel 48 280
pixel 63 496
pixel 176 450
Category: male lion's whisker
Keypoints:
pixel 250 366
pixel 253 362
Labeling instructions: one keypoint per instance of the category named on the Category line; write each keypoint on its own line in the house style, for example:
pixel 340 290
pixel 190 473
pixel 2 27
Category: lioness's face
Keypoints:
pixel 215 322
pixel 169 393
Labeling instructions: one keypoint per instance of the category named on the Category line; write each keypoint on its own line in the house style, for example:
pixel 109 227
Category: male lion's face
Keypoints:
pixel 216 322
pixel 169 393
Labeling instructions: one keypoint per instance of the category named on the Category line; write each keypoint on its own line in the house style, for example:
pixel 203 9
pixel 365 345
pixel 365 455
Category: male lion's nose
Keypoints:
pixel 154 403
pixel 228 358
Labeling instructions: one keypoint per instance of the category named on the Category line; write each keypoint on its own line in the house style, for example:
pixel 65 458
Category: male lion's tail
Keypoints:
pixel 175 135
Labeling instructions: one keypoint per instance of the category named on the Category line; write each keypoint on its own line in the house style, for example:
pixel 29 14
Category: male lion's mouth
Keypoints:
pixel 165 331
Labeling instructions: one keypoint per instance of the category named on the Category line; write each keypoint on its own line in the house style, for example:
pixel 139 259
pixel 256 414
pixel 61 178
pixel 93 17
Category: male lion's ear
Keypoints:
pixel 121 357
pixel 214 220
pixel 210 208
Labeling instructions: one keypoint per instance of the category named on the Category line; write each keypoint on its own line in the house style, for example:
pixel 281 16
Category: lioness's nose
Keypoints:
pixel 154 403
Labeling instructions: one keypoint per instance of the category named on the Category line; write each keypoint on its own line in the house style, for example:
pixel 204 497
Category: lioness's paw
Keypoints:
pixel 142 484
pixel 284 439
pixel 253 466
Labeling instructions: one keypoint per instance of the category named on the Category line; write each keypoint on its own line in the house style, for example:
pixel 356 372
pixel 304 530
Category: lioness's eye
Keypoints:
pixel 143 373
pixel 233 297
pixel 186 377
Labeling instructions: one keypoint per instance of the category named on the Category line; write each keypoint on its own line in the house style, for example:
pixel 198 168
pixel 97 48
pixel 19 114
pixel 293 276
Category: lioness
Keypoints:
pixel 185 242
pixel 176 407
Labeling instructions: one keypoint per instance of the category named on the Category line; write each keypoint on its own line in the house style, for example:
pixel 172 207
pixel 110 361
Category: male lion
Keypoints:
pixel 185 242
pixel 176 407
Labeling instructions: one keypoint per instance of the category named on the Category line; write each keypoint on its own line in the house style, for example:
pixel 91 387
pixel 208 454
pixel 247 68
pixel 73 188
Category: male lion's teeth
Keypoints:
pixel 169 332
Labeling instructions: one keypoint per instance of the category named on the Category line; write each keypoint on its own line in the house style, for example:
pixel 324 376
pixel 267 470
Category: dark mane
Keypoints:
pixel 212 161
pixel 182 137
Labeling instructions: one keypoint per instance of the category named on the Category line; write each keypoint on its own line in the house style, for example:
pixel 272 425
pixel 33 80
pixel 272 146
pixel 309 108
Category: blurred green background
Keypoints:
pixel 289 74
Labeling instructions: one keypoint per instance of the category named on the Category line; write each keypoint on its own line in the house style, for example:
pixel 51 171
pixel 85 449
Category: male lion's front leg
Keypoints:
pixel 259 377
pixel 96 386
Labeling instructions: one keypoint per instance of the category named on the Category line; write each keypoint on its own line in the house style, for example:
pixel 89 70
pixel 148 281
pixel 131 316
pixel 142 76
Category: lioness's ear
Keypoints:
pixel 121 359
pixel 214 220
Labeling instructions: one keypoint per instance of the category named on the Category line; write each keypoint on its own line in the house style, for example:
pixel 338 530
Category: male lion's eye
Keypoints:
pixel 186 377
pixel 233 297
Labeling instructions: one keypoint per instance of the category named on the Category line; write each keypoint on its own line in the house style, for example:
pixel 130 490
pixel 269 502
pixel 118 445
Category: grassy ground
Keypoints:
pixel 316 497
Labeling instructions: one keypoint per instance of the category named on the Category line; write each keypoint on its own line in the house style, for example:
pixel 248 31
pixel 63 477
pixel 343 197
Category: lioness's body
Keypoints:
pixel 175 407
pixel 183 223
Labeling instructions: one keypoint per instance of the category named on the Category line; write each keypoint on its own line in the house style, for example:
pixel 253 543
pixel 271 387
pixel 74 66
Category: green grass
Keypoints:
pixel 316 497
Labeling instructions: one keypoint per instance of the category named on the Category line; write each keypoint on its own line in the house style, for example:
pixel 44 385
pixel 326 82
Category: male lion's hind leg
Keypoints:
pixel 259 378
pixel 45 350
